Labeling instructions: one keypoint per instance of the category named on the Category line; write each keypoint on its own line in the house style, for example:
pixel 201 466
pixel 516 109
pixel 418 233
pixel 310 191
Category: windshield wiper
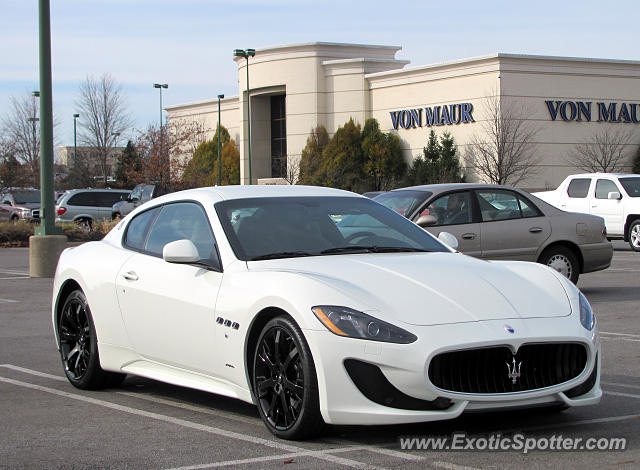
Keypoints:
pixel 281 254
pixel 371 249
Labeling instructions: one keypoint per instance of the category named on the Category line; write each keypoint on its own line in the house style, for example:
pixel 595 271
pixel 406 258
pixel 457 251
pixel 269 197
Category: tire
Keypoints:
pixel 285 383
pixel 563 260
pixel 14 218
pixel 84 224
pixel 634 235
pixel 78 346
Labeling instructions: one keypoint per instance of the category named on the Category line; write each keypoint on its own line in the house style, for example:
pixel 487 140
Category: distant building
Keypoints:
pixel 65 157
pixel 297 87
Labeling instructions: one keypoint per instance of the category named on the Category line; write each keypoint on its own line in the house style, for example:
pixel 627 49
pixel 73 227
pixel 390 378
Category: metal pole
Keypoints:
pixel 47 220
pixel 75 148
pixel 219 144
pixel 249 119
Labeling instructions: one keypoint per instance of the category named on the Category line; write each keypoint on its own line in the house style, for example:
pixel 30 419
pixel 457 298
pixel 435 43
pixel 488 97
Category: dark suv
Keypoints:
pixel 139 195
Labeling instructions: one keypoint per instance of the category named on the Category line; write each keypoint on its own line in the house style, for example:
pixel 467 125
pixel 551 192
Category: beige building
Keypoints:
pixel 297 87
pixel 65 157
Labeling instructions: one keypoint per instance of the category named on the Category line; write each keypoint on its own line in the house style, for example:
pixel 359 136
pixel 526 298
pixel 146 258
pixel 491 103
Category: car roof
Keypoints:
pixel 615 175
pixel 89 190
pixel 440 188
pixel 245 192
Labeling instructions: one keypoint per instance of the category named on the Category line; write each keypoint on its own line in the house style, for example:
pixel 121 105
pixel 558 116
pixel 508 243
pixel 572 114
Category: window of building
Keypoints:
pixel 278 137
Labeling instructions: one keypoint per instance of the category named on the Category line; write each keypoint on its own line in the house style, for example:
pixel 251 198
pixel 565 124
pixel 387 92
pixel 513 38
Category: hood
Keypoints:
pixel 28 205
pixel 434 288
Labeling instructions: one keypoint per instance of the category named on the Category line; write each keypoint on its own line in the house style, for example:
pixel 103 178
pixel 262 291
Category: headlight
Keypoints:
pixel 587 318
pixel 344 321
pixel 26 212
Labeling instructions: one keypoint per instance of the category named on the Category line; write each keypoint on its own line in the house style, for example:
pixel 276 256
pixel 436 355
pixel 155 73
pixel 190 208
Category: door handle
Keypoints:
pixel 535 230
pixel 130 276
pixel 469 236
pixel 563 206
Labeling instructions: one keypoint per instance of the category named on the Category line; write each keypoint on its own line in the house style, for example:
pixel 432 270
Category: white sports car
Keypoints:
pixel 268 295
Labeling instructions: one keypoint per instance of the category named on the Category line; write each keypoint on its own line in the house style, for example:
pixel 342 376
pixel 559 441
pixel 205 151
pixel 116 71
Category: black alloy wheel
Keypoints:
pixel 284 381
pixel 79 346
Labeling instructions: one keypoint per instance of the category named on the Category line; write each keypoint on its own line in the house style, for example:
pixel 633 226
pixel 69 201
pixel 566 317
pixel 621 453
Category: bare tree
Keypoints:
pixel 505 152
pixel 21 129
pixel 103 117
pixel 292 174
pixel 605 151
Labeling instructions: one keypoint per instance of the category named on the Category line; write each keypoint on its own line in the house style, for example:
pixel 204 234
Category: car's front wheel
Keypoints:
pixel 563 260
pixel 284 381
pixel 78 346
pixel 634 235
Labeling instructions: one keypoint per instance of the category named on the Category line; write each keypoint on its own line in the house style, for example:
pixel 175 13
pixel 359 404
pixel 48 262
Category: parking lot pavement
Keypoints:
pixel 47 423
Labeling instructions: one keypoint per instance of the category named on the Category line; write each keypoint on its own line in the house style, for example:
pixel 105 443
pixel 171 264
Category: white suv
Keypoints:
pixel 613 196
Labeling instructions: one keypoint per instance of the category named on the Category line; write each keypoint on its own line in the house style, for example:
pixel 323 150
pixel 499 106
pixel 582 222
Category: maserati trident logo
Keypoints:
pixel 514 370
pixel 509 329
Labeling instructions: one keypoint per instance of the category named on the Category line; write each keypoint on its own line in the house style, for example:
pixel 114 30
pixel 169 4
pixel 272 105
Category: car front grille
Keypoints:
pixel 496 370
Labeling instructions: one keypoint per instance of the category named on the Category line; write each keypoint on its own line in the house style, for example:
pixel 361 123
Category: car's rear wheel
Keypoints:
pixel 14 218
pixel 563 260
pixel 634 235
pixel 284 381
pixel 79 346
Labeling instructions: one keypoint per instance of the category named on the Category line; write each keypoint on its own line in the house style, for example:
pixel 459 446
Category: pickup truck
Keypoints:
pixel 613 196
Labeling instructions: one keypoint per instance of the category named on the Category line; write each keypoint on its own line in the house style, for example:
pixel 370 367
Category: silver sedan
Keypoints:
pixel 502 222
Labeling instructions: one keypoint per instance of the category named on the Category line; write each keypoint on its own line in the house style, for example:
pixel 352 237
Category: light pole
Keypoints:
pixel 75 138
pixel 246 53
pixel 160 86
pixel 219 144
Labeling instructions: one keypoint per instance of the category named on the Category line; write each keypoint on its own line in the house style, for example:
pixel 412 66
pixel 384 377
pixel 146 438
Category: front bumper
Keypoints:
pixel 405 368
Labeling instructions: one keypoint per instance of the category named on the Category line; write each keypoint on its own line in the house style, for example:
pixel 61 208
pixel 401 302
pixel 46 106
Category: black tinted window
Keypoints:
pixel 82 199
pixel 137 229
pixel 184 220
pixel 108 199
pixel 579 187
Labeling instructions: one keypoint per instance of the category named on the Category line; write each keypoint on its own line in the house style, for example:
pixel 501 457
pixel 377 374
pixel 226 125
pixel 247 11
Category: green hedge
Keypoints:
pixel 18 233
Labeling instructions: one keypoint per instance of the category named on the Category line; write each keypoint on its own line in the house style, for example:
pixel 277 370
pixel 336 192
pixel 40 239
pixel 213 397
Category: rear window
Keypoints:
pixel 579 187
pixel 82 199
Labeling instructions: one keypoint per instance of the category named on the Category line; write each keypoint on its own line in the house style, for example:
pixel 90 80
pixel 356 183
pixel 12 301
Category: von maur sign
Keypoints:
pixel 584 111
pixel 442 115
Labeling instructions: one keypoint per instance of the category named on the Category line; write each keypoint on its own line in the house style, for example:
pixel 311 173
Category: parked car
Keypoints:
pixel 285 309
pixel 139 195
pixel 502 222
pixel 613 196
pixel 84 206
pixel 20 204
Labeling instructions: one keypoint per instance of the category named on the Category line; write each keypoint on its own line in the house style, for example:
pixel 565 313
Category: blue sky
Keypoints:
pixel 189 43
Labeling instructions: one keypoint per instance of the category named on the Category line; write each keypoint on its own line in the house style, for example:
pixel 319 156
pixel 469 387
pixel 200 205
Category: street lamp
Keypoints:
pixel 160 86
pixel 219 144
pixel 246 53
pixel 75 138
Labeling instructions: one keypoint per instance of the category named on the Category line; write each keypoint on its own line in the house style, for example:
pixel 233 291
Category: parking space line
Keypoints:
pixel 196 426
pixel 15 277
pixel 5 271
pixel 620 394
pixel 618 338
pixel 377 449
pixel 8 301
pixel 610 333
pixel 452 466
pixel 617 384
pixel 542 427
pixel 34 372
pixel 186 406
pixel 268 458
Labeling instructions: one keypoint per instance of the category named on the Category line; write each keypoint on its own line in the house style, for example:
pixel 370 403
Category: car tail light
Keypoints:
pixel 62 210
pixel 604 232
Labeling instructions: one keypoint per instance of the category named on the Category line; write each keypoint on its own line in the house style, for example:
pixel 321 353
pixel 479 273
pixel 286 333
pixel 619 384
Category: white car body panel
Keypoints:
pixel 163 326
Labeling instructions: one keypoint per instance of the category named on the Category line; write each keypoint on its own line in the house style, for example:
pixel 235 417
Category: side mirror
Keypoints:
pixel 614 195
pixel 180 251
pixel 426 221
pixel 448 239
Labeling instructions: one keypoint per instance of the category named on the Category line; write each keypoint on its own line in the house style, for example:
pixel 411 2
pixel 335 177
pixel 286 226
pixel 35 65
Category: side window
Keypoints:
pixel 579 187
pixel 82 199
pixel 138 228
pixel 527 208
pixel 183 220
pixel 498 205
pixel 604 187
pixel 451 209
pixel 6 200
pixel 146 193
pixel 108 199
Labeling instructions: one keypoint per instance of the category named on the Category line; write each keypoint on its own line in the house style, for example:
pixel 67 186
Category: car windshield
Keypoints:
pixel 26 197
pixel 404 202
pixel 631 186
pixel 285 227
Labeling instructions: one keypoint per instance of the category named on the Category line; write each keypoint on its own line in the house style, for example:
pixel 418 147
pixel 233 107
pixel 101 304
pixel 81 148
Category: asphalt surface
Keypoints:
pixel 47 423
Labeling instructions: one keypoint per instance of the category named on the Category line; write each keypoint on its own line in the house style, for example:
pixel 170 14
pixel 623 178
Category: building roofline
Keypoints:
pixel 213 101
